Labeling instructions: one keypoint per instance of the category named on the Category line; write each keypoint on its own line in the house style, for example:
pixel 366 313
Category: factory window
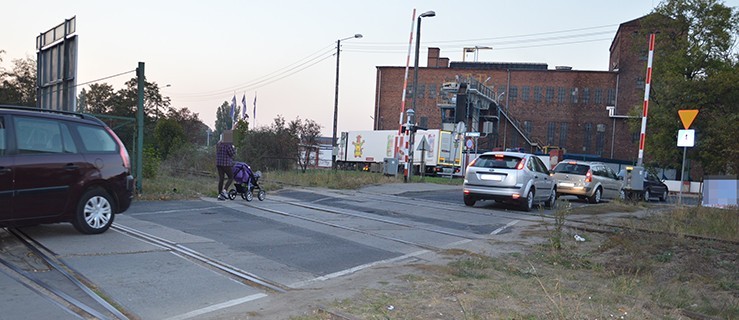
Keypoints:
pixel 551 128
pixel 550 94
pixel 586 95
pixel 573 95
pixel 525 93
pixel 432 91
pixel 600 138
pixel 537 94
pixel 598 96
pixel 562 134
pixel 562 95
pixel 611 97
pixel 527 127
pixel 513 93
pixel 588 137
pixel 421 91
pixel 640 82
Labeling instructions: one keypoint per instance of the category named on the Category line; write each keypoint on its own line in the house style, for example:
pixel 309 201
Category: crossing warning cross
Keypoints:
pixel 687 117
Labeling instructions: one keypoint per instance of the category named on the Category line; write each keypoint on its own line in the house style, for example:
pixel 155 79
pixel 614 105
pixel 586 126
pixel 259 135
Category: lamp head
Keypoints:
pixel 427 14
pixel 357 36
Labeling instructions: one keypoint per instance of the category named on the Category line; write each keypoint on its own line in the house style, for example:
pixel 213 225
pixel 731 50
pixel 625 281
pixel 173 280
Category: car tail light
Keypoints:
pixel 122 150
pixel 589 176
pixel 521 164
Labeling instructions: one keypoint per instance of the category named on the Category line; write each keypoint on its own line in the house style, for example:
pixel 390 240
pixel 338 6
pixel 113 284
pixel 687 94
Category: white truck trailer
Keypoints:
pixel 367 150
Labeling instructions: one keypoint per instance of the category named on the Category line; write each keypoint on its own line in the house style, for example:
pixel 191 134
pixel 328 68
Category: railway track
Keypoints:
pixel 549 220
pixel 226 269
pixel 41 271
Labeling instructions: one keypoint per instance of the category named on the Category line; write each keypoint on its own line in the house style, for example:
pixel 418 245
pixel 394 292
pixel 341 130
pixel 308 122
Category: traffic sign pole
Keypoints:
pixel 685 139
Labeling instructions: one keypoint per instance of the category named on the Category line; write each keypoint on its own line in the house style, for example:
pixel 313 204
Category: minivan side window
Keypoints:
pixel 37 135
pixel 2 136
pixel 96 139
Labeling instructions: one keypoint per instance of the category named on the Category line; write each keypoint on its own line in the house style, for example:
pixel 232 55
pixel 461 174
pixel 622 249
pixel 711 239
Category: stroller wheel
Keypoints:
pixel 232 194
pixel 248 196
pixel 261 195
pixel 243 196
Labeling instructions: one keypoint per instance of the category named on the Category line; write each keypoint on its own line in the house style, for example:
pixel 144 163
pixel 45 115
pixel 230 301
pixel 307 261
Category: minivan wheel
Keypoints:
pixel 528 202
pixel 595 198
pixel 469 201
pixel 94 212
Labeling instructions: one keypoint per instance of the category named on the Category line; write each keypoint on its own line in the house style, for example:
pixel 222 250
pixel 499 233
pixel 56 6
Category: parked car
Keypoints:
pixel 512 177
pixel 61 167
pixel 654 187
pixel 593 181
pixel 640 183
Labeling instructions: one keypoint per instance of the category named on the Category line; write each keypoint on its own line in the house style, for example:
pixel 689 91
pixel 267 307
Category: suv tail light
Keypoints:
pixel 589 176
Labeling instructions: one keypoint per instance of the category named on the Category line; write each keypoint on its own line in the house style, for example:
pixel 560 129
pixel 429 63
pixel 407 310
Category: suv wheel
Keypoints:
pixel 94 212
pixel 595 198
pixel 469 201
pixel 551 202
pixel 528 202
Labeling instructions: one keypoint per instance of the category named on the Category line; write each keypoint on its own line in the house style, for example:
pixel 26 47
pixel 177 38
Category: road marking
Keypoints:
pixel 219 306
pixel 355 269
pixel 170 211
pixel 508 225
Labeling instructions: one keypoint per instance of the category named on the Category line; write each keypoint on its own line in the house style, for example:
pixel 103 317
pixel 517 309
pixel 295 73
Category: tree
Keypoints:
pixel 195 130
pixel 223 118
pixel 18 86
pixel 695 67
pixel 169 134
pixel 98 99
pixel 307 132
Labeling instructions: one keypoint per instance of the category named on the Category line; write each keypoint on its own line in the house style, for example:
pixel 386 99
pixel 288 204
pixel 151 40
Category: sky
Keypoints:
pixel 284 52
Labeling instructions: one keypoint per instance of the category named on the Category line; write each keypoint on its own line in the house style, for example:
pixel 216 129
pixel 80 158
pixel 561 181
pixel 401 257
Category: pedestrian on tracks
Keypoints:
pixel 225 152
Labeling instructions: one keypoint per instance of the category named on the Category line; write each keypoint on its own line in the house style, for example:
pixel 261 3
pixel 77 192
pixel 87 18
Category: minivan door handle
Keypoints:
pixel 71 166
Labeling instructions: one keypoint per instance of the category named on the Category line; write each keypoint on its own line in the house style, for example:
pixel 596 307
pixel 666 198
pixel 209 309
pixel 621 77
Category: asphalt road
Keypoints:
pixel 296 238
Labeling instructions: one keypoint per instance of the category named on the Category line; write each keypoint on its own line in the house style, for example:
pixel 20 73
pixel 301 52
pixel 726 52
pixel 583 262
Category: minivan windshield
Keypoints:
pixel 497 161
pixel 572 168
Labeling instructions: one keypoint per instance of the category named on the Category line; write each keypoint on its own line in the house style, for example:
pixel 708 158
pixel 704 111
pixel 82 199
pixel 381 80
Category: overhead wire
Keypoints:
pixel 390 47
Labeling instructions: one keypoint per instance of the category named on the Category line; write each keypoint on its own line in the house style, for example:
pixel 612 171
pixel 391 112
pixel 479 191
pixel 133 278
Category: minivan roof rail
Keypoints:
pixel 68 113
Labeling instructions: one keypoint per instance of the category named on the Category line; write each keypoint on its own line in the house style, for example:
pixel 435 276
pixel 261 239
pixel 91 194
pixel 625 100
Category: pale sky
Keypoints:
pixel 209 51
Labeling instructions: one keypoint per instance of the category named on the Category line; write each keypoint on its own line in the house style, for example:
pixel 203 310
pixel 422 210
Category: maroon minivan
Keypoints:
pixel 61 167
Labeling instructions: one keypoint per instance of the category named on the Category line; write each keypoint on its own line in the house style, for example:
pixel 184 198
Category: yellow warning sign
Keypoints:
pixel 687 117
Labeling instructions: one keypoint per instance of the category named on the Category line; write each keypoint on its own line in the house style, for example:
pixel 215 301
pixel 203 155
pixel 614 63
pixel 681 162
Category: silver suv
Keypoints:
pixel 593 181
pixel 513 177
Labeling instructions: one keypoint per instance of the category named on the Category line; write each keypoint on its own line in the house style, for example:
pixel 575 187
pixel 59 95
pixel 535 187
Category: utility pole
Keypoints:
pixel 140 128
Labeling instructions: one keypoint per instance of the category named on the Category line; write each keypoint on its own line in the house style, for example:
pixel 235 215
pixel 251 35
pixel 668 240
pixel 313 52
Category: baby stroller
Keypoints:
pixel 245 182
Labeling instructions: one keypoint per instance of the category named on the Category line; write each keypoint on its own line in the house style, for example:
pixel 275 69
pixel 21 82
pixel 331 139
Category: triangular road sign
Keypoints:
pixel 423 145
pixel 687 117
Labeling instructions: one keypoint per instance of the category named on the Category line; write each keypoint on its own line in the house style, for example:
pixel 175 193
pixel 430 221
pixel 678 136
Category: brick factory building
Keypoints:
pixel 528 105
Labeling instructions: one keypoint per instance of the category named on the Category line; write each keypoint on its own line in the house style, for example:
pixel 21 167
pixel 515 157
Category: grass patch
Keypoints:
pixel 629 275
pixel 169 184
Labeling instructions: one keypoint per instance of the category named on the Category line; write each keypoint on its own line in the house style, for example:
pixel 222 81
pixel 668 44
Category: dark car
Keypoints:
pixel 61 167
pixel 654 187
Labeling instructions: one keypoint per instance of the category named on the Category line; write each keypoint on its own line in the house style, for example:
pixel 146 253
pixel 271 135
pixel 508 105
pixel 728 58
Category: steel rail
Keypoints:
pixel 197 256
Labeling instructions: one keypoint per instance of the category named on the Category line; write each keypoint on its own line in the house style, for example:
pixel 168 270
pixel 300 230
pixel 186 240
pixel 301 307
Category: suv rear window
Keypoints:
pixel 497 161
pixel 572 168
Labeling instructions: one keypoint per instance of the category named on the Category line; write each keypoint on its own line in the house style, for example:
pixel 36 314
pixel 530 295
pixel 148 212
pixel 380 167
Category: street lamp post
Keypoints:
pixel 336 100
pixel 415 88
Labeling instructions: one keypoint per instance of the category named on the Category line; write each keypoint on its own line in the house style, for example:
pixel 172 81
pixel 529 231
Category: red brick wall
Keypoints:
pixel 625 56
